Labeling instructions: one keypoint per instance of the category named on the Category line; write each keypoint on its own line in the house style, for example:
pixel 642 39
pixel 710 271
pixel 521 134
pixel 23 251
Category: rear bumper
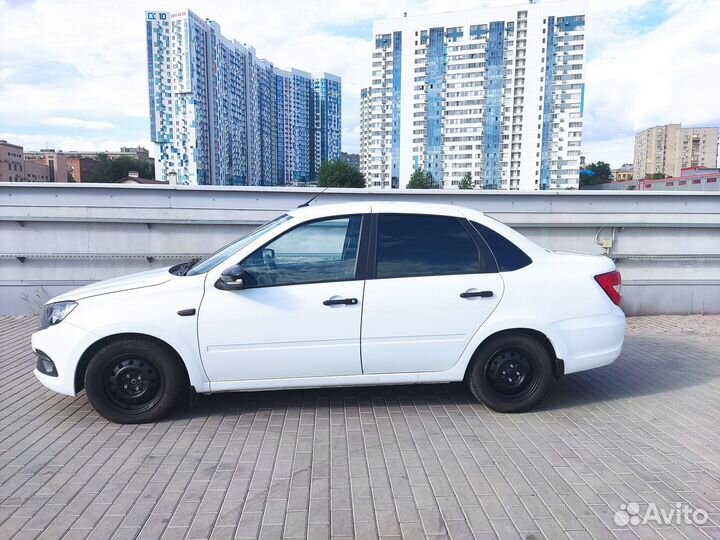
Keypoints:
pixel 591 342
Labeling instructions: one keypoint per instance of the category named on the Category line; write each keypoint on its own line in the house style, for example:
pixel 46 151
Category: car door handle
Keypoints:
pixel 473 294
pixel 340 301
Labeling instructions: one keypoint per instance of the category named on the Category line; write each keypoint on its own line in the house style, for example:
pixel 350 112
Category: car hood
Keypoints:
pixel 123 283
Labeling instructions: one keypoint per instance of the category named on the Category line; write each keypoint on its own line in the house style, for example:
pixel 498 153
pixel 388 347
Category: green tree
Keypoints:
pixel 656 176
pixel 338 173
pixel 114 170
pixel 601 170
pixel 466 182
pixel 419 179
pixel 595 173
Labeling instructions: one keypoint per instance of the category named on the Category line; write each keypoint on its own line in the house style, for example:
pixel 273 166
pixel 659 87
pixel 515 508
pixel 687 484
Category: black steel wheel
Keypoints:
pixel 133 383
pixel 134 380
pixel 510 373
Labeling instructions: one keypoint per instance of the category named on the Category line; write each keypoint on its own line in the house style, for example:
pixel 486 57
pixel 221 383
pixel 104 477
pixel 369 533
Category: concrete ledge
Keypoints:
pixel 53 234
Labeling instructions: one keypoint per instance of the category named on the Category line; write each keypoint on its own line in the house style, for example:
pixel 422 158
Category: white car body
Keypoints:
pixel 401 331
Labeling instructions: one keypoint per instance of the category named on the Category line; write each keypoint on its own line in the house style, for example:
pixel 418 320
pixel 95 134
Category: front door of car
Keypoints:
pixel 431 286
pixel 299 315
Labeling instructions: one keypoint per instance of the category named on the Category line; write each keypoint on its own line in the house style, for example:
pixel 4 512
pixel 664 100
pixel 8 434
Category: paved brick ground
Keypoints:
pixel 388 461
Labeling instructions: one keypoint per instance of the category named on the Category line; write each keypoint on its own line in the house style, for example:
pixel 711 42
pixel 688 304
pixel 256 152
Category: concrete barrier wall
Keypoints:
pixel 56 237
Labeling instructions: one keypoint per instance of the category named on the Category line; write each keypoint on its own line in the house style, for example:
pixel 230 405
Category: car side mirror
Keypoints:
pixel 235 278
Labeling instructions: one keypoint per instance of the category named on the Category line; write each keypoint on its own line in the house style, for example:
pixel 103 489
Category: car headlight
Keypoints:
pixel 54 313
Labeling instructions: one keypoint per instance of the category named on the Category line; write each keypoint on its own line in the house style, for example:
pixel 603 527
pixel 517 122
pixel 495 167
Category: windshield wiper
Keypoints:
pixel 183 268
pixel 192 262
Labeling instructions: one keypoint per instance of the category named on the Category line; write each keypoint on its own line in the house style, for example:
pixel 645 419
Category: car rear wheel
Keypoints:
pixel 134 380
pixel 511 373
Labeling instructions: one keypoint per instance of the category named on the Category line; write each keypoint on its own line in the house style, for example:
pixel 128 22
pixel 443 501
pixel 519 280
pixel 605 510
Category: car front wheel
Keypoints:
pixel 134 380
pixel 511 373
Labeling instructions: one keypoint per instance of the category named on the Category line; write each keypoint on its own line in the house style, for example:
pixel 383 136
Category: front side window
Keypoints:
pixel 209 262
pixel 411 245
pixel 320 251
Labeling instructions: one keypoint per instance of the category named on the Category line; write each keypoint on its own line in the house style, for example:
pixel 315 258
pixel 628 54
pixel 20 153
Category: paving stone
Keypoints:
pixel 383 462
pixel 341 522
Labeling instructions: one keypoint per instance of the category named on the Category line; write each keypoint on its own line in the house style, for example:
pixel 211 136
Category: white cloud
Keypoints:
pixel 77 123
pixel 613 21
pixel 637 76
pixel 666 74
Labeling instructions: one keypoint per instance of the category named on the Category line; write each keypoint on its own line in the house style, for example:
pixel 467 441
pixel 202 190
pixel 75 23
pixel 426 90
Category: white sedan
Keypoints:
pixel 339 295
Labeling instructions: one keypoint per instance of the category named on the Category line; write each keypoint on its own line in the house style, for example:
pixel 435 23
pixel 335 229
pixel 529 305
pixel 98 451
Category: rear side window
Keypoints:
pixel 509 257
pixel 421 245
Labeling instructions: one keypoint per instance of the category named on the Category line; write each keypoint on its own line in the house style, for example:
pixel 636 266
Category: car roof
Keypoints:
pixel 317 210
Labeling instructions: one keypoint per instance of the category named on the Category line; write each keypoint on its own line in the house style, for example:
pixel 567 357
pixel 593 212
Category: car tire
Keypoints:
pixel 511 373
pixel 134 380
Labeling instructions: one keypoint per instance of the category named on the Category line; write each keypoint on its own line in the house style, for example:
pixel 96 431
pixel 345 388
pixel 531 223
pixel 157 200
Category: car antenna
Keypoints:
pixel 313 198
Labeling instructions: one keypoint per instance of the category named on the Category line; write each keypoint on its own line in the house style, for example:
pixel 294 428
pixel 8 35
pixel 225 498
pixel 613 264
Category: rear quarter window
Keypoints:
pixel 509 257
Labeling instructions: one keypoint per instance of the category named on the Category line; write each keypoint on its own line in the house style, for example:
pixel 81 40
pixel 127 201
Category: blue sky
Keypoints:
pixel 73 72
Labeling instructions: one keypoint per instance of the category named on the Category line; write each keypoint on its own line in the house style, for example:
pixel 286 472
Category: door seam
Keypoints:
pixel 362 318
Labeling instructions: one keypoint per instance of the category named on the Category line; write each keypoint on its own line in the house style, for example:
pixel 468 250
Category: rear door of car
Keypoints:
pixel 431 284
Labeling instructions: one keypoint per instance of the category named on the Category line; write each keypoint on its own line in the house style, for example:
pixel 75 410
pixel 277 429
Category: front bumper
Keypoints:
pixel 63 344
pixel 591 342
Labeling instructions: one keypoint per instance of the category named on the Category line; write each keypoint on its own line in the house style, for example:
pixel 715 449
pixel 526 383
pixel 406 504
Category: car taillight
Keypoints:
pixel 611 283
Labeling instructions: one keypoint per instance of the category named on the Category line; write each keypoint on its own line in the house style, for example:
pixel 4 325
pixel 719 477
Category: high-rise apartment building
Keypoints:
pixel 670 148
pixel 327 128
pixel 493 92
pixel 220 115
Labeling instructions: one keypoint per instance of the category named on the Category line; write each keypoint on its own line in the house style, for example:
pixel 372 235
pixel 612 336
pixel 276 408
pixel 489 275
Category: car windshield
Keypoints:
pixel 211 261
